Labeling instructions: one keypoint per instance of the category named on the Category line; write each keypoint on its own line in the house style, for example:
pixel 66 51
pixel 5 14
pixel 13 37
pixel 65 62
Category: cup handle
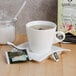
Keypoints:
pixel 59 37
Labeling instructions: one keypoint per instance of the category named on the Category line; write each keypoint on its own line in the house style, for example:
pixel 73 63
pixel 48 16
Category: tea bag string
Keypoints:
pixel 20 10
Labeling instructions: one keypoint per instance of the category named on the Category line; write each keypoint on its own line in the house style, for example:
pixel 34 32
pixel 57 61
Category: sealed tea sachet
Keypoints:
pixel 17 56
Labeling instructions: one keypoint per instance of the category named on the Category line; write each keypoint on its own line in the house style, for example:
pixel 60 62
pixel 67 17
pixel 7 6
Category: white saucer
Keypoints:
pixel 40 56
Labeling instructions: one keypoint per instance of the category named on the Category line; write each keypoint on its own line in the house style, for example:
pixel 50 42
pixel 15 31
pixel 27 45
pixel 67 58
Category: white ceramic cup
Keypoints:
pixel 42 40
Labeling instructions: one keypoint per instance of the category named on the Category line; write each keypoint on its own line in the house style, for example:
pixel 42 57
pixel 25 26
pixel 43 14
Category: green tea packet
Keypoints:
pixel 17 56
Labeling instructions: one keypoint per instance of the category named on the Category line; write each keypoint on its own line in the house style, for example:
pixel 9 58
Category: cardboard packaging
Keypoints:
pixel 67 16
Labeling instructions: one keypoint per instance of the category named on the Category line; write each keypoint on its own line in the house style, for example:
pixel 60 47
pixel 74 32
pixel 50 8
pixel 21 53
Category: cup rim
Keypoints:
pixel 40 22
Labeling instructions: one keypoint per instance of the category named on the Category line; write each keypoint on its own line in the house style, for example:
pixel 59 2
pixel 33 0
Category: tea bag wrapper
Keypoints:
pixel 17 56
